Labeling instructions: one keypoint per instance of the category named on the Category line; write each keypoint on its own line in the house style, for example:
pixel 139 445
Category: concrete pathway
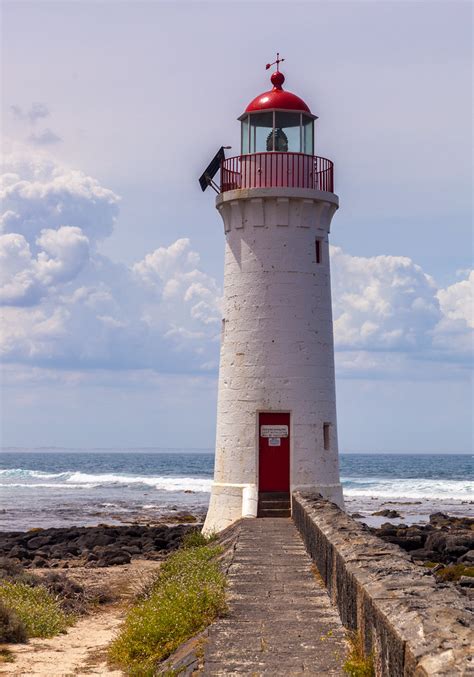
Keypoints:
pixel 280 620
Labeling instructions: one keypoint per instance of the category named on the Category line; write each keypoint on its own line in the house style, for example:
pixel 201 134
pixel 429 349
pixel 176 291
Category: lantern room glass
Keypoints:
pixel 277 131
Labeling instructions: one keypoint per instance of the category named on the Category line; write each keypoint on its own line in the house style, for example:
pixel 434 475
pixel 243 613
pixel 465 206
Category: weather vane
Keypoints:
pixel 277 62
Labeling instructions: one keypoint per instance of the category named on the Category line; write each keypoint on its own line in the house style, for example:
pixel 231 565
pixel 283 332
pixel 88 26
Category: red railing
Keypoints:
pixel 277 170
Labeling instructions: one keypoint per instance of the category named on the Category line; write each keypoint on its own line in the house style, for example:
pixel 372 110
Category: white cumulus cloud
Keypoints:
pixel 37 193
pixel 67 306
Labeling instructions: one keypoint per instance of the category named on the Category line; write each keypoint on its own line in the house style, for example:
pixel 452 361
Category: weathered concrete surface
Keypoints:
pixel 277 348
pixel 413 625
pixel 280 619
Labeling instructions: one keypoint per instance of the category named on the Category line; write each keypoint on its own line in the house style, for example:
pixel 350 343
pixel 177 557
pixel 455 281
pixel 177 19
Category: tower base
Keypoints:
pixel 231 502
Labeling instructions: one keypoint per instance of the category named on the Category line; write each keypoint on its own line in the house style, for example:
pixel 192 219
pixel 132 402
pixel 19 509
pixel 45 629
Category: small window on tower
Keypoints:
pixel 318 245
pixel 326 431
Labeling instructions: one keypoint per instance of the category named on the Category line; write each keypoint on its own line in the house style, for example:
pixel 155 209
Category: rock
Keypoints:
pixel 114 559
pixel 356 515
pixel 424 554
pixel 438 567
pixel 460 540
pixel 131 549
pixel 466 582
pixel 439 518
pixel 467 557
pixel 391 514
pixel 39 562
pixel 37 542
pixel 76 543
pixel 436 541
pixel 19 552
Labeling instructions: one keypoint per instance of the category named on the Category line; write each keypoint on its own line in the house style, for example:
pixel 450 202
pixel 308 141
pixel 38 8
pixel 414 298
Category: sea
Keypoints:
pixel 59 488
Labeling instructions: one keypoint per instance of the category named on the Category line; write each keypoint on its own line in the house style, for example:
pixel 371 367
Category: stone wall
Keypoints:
pixel 412 624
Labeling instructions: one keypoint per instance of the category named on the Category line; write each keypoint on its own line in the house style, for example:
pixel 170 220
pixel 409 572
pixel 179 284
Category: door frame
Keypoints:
pixel 289 412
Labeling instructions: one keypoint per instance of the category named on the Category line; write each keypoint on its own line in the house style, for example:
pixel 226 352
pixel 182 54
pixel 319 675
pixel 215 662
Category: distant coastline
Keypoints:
pixel 203 450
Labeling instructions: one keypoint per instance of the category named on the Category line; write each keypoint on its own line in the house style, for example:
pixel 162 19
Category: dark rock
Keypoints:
pixel 39 562
pixel 132 549
pixel 439 518
pixel 19 552
pixel 356 515
pixel 391 514
pixel 466 582
pixel 115 558
pixel 436 541
pixel 423 554
pixel 37 542
pixel 456 540
pixel 467 557
pixel 78 542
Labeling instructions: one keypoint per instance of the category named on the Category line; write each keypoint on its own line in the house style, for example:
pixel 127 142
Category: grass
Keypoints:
pixel 357 664
pixel 187 595
pixel 194 539
pixel 33 610
pixel 453 572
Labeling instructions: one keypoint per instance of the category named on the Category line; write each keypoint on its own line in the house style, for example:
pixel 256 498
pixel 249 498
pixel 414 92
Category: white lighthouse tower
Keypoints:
pixel 276 417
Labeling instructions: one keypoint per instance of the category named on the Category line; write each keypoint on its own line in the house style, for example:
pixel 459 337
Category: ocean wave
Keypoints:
pixel 408 488
pixel 382 487
pixel 39 474
pixel 165 483
pixel 45 485
pixel 78 480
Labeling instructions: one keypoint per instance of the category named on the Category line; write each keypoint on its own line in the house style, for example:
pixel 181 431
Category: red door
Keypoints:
pixel 274 452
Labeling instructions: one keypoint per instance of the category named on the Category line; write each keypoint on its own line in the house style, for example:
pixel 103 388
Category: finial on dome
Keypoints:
pixel 277 78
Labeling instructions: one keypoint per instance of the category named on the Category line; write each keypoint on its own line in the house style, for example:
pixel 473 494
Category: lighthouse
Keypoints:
pixel 276 412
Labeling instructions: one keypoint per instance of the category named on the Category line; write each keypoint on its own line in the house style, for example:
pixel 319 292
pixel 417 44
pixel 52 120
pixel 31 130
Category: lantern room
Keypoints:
pixel 277 145
pixel 277 121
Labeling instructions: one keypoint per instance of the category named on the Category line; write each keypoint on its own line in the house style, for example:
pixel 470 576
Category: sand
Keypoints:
pixel 83 649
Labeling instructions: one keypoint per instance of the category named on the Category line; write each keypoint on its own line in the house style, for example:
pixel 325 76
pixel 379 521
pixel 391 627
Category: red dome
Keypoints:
pixel 277 98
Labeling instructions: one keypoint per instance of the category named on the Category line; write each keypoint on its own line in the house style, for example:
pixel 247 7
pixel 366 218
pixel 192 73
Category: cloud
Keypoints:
pixel 67 306
pixel 37 193
pixel 44 138
pixel 35 112
pixel 382 303
pixel 390 318
pixel 25 279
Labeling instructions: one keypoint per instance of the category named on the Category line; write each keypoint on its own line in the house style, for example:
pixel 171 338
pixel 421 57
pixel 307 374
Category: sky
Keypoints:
pixel 112 257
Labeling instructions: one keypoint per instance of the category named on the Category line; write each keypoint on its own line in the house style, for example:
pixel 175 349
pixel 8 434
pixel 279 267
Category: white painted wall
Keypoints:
pixel 277 350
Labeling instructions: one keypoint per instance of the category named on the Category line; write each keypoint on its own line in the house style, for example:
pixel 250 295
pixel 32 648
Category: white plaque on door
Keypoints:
pixel 273 431
pixel 274 442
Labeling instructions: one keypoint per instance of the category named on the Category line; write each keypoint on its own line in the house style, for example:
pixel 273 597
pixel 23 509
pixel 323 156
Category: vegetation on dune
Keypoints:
pixel 35 606
pixel 357 663
pixel 11 628
pixel 30 612
pixel 187 594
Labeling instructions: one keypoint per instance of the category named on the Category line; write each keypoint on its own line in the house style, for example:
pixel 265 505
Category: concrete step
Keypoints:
pixel 274 512
pixel 274 505
pixel 274 495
